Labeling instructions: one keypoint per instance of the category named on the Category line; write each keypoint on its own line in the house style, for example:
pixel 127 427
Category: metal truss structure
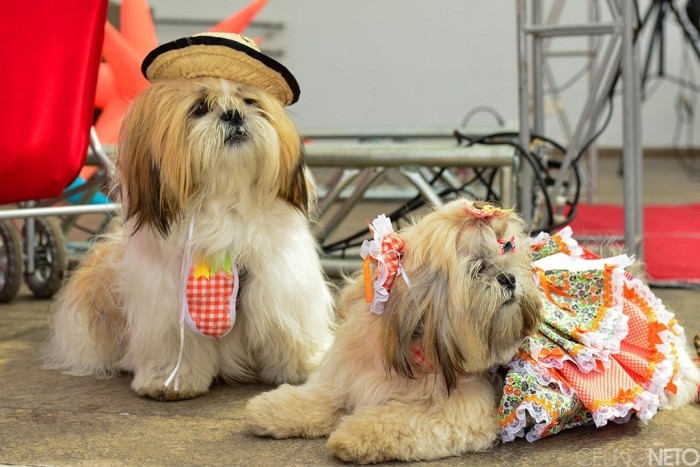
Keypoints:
pixel 616 61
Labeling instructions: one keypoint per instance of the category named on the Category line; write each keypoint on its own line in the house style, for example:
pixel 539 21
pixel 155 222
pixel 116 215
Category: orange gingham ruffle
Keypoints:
pixel 392 248
pixel 209 302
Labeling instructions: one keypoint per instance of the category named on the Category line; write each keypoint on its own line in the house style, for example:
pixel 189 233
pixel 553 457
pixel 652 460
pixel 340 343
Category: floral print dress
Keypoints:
pixel 606 349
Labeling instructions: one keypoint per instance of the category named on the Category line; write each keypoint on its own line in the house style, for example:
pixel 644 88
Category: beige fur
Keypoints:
pixel 371 397
pixel 227 156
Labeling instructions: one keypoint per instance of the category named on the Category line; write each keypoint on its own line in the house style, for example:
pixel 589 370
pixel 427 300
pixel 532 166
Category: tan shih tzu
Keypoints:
pixel 211 269
pixel 407 376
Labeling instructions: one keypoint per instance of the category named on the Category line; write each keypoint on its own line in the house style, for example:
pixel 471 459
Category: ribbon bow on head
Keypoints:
pixel 386 250
pixel 484 210
pixel 507 246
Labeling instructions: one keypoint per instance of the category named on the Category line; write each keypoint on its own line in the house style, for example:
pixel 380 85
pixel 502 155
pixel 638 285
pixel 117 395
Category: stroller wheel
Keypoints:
pixel 10 261
pixel 50 258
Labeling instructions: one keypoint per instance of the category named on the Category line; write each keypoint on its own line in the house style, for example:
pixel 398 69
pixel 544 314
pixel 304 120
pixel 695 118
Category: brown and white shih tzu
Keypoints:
pixel 407 376
pixel 211 269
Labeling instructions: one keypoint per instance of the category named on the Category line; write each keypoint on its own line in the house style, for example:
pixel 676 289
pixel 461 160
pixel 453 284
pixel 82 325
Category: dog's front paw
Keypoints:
pixel 155 388
pixel 376 434
pixel 262 419
pixel 166 394
pixel 359 448
pixel 291 411
pixel 408 433
pixel 276 415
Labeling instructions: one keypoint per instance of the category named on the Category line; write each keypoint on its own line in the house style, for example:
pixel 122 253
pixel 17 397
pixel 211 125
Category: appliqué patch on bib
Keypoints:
pixel 211 299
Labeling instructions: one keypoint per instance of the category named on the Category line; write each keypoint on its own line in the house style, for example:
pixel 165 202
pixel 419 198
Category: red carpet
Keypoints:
pixel 671 238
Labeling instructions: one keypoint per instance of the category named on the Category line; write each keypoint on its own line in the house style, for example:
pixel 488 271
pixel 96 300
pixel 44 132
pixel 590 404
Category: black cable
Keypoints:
pixel 351 240
pixel 507 137
pixel 570 82
pixel 685 117
pixel 479 174
pixel 510 138
pixel 586 68
pixel 682 83
pixel 483 108
pixel 600 131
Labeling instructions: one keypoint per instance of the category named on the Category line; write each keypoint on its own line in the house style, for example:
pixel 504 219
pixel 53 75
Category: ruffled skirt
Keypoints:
pixel 607 348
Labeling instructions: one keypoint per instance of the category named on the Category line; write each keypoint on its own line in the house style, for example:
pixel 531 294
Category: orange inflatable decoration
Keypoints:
pixel 125 63
pixel 240 20
pixel 120 80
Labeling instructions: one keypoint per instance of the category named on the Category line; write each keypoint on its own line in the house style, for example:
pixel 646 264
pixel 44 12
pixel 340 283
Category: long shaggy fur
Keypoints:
pixel 229 156
pixel 467 307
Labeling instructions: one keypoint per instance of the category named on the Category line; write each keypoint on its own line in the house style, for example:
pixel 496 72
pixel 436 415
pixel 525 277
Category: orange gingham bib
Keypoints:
pixel 211 302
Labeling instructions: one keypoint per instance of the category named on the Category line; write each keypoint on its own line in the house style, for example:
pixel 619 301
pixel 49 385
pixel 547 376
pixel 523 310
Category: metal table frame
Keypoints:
pixel 360 165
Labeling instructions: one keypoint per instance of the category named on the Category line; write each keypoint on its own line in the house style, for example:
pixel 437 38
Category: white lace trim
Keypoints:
pixel 584 359
pixel 644 407
pixel 567 262
pixel 566 236
pixel 381 227
pixel 516 429
pixel 599 345
pixel 613 327
pixel 672 339
pixel 541 374
pixel 540 238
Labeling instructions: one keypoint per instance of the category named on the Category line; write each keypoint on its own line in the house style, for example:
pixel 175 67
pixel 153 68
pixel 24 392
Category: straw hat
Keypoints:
pixel 221 55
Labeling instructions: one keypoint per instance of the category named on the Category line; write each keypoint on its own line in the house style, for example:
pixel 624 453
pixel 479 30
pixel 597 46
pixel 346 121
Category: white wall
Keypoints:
pixel 418 63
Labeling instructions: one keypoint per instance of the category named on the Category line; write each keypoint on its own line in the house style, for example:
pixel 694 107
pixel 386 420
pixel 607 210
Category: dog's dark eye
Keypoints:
pixel 479 268
pixel 251 102
pixel 200 109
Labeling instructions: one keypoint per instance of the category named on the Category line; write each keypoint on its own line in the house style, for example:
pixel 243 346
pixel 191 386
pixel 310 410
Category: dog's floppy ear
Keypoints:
pixel 424 313
pixel 146 199
pixel 403 323
pixel 298 189
pixel 418 316
pixel 424 318
pixel 150 204
pixel 441 335
pixel 293 181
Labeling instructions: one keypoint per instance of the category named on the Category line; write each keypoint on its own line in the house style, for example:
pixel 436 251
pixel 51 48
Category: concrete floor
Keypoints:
pixel 51 419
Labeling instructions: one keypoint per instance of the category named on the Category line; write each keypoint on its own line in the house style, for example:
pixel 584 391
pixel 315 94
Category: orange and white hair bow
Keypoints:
pixel 386 251
pixel 485 210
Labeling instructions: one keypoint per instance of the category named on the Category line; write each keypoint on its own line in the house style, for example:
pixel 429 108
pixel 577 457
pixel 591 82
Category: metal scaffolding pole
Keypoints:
pixel 619 55
pixel 526 174
pixel 631 131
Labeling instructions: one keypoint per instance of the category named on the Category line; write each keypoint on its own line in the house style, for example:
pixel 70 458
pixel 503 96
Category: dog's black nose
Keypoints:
pixel 507 280
pixel 234 126
pixel 232 116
